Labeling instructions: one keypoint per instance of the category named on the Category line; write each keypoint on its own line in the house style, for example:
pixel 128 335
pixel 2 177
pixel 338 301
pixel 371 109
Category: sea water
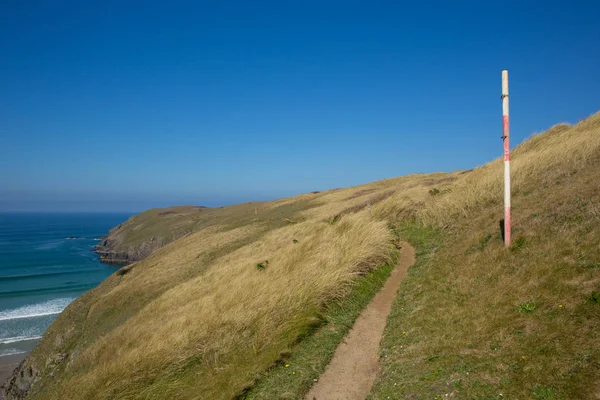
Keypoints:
pixel 46 261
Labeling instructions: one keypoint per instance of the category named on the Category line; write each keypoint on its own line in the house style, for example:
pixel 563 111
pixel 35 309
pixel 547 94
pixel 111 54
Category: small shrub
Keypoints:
pixel 595 297
pixel 261 266
pixel 432 357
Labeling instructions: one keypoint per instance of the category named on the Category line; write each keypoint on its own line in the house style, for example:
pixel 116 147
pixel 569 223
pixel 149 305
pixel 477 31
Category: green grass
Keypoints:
pixel 398 334
pixel 526 307
pixel 295 372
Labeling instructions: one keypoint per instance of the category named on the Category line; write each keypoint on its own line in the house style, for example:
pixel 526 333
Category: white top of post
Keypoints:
pixel 506 140
pixel 505 94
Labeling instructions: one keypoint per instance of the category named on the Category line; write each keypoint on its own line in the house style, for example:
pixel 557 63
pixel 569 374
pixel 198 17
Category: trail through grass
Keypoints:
pixel 299 367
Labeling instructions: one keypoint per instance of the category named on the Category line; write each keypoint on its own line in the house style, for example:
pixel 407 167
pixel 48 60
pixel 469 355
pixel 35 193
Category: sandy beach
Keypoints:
pixel 7 365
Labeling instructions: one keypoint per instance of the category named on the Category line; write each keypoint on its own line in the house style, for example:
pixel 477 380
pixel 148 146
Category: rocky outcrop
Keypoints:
pixel 107 250
pixel 18 385
pixel 110 253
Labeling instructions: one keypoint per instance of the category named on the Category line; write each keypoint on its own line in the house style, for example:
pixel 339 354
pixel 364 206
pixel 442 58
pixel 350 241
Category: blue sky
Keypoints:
pixel 129 105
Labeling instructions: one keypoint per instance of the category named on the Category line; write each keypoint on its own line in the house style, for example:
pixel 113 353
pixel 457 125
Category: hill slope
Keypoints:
pixel 143 233
pixel 209 311
pixel 206 314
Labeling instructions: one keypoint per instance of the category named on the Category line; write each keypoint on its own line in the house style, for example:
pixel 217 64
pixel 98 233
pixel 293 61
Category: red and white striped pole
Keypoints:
pixel 506 140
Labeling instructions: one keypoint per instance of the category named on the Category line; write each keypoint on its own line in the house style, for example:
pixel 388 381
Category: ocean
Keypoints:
pixel 46 261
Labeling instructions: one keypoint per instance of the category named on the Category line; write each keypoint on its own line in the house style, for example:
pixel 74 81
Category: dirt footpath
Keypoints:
pixel 355 364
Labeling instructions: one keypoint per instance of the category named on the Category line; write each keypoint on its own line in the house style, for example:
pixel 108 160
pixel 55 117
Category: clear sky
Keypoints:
pixel 121 105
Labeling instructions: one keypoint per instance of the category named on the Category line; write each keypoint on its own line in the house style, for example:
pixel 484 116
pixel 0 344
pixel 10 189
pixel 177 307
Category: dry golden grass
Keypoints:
pixel 142 234
pixel 543 157
pixel 206 336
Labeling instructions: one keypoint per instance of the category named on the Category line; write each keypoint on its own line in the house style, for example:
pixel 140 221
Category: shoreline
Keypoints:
pixel 7 366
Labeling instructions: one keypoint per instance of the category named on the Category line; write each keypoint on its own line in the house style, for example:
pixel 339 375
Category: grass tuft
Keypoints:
pixel 545 393
pixel 525 308
pixel 261 266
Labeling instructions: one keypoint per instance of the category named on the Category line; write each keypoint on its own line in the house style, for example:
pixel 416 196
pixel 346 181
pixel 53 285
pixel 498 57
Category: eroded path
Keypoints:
pixel 355 364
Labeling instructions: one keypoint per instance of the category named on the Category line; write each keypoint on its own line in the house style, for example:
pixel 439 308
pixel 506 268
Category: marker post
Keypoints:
pixel 506 140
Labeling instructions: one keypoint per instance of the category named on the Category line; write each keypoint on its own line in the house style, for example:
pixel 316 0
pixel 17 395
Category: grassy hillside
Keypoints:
pixel 474 320
pixel 209 313
pixel 146 232
pixel 204 315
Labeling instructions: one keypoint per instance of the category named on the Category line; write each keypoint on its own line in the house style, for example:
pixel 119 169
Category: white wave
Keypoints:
pixel 10 352
pixel 18 339
pixel 49 307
